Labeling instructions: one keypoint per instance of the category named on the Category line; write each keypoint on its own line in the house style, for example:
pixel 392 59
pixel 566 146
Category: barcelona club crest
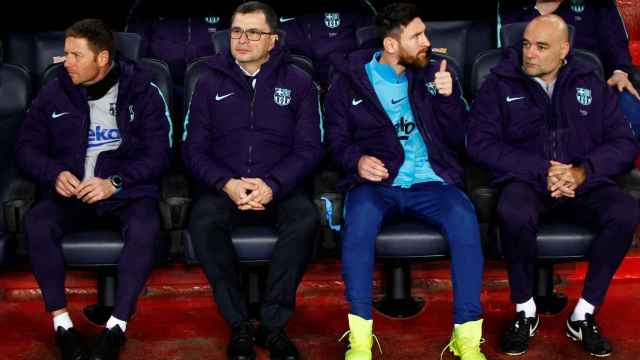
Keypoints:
pixel 577 6
pixel 212 19
pixel 282 96
pixel 332 20
pixel 431 88
pixel 584 96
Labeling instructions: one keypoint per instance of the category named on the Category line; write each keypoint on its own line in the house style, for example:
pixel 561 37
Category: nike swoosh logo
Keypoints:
pixel 393 102
pixel 576 334
pixel 55 115
pixel 532 330
pixel 355 102
pixel 92 145
pixel 218 97
pixel 510 99
pixel 286 19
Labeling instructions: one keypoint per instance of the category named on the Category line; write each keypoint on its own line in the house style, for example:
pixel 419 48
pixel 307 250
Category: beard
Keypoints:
pixel 417 61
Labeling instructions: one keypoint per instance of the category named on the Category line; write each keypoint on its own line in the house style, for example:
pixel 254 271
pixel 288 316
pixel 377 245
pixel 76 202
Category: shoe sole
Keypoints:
pixel 252 357
pixel 514 353
pixel 570 336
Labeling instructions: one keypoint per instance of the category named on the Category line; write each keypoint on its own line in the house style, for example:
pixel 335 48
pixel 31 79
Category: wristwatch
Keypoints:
pixel 116 181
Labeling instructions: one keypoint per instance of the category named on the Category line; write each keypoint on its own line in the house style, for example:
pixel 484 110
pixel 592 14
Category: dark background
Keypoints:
pixel 58 14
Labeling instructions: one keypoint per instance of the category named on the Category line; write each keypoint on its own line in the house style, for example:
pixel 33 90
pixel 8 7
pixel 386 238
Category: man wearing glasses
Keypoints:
pixel 252 134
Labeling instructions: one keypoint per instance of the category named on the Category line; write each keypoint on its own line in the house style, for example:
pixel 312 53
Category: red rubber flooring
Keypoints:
pixel 177 318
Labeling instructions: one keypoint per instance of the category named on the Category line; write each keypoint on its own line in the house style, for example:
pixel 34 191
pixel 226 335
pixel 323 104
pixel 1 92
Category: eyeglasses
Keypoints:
pixel 252 34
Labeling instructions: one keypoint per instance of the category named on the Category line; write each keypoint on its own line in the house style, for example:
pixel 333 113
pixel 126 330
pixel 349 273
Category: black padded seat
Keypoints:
pixel 563 241
pixel 410 240
pixel 15 89
pixel 449 38
pixel 98 248
pixel 482 66
pixel 560 241
pixel 5 246
pixel 398 244
pixel 254 247
pixel 92 248
pixel 253 244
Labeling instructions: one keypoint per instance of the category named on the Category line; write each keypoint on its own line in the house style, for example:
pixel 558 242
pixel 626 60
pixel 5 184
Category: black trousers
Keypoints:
pixel 608 210
pixel 296 221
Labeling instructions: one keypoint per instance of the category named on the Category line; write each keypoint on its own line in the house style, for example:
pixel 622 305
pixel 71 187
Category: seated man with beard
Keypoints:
pixel 394 120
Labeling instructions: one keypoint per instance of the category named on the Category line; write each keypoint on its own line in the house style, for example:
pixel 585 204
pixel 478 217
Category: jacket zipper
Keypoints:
pixel 251 126
pixel 189 30
pixel 549 119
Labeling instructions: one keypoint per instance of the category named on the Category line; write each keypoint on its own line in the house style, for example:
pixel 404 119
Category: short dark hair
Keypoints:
pixel 257 6
pixel 97 33
pixel 393 16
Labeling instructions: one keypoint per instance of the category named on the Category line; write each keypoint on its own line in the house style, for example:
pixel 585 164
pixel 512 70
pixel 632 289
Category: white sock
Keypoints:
pixel 113 321
pixel 529 308
pixel 582 307
pixel 62 320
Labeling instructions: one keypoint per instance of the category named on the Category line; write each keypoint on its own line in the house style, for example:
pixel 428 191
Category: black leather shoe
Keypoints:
pixel 278 343
pixel 515 340
pixel 587 332
pixel 70 344
pixel 109 344
pixel 241 343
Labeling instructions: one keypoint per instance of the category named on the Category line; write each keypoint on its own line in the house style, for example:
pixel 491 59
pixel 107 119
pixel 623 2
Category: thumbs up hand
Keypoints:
pixel 443 80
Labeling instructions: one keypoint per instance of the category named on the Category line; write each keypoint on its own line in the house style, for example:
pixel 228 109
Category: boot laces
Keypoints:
pixel 372 335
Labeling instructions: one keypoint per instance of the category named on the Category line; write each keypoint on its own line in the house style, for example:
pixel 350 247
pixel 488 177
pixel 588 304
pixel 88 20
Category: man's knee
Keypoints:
pixel 516 207
pixel 142 226
pixel 363 204
pixel 41 218
pixel 209 211
pixel 622 213
pixel 458 206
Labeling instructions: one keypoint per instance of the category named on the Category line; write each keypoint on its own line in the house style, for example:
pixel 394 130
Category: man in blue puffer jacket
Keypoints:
pixel 553 134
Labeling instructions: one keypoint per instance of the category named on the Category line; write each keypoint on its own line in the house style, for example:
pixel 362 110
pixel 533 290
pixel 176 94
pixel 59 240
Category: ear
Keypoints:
pixel 103 58
pixel 564 49
pixel 390 45
pixel 274 40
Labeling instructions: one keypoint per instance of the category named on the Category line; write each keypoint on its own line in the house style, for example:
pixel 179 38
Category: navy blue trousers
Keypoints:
pixel 52 218
pixel 607 210
pixel 630 107
pixel 445 206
